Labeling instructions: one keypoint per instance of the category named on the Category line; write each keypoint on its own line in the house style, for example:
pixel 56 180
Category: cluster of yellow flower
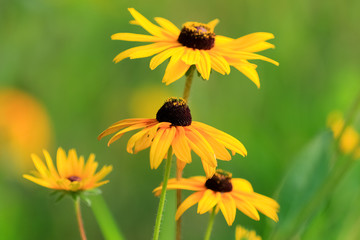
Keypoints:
pixel 173 131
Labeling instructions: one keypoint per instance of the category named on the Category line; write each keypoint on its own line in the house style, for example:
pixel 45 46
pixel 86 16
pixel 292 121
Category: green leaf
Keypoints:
pixel 304 177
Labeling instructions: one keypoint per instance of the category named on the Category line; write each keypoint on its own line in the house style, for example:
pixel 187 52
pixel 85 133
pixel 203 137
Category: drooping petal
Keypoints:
pixel 228 208
pixel 201 147
pixel 191 56
pixel 250 72
pixel 181 146
pixel 175 69
pixel 183 183
pixel 161 57
pixel 247 208
pixel 187 203
pixel 163 146
pixel 219 64
pixel 204 65
pixel 208 201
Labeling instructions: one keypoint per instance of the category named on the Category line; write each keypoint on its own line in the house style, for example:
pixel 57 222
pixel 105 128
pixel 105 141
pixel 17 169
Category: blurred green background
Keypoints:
pixel 60 53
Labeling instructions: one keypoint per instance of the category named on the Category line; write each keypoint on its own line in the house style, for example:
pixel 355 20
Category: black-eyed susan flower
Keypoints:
pixel 243 234
pixel 173 126
pixel 225 193
pixel 73 174
pixel 195 44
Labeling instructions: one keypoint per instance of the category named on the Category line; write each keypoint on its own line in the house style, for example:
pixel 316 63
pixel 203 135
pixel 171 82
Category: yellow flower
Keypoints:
pixel 72 173
pixel 228 194
pixel 195 44
pixel 174 127
pixel 243 234
pixel 350 138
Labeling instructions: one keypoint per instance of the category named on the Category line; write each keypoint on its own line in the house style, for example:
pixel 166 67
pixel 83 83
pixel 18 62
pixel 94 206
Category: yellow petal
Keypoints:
pixel 258 47
pixel 161 57
pixel 162 147
pixel 204 65
pixel 208 201
pixel 166 24
pixel 122 132
pixel 191 56
pixel 175 70
pixel 124 123
pixel 200 145
pixel 246 207
pixel 134 37
pixel 212 24
pixel 136 137
pixel 152 49
pixel 251 39
pixel 50 164
pixel 250 72
pixel 219 149
pixel 38 181
pixel 61 162
pixel 228 208
pixel 181 146
pixel 146 24
pixel 242 185
pixel 187 203
pixel 219 64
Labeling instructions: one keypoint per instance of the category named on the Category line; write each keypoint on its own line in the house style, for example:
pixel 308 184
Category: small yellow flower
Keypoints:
pixel 350 138
pixel 72 173
pixel 195 44
pixel 228 194
pixel 174 127
pixel 243 234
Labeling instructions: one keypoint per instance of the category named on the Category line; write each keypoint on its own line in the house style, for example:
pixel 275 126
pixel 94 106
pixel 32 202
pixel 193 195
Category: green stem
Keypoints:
pixel 210 225
pixel 105 219
pixel 79 218
pixel 162 196
pixel 188 83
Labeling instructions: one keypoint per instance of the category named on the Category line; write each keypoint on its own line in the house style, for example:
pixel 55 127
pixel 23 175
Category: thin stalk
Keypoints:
pixel 188 83
pixel 79 218
pixel 178 202
pixel 186 95
pixel 163 195
pixel 210 225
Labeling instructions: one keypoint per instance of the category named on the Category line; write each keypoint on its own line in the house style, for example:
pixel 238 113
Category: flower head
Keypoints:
pixel 225 193
pixel 195 44
pixel 173 126
pixel 243 234
pixel 72 174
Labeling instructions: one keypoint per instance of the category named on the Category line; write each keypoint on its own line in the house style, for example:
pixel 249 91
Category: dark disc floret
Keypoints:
pixel 220 182
pixel 197 35
pixel 74 178
pixel 175 111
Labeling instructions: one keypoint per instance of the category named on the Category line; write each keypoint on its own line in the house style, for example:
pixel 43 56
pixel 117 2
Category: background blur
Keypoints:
pixel 59 87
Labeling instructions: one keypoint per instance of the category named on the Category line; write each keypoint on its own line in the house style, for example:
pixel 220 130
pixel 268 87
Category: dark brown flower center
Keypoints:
pixel 197 35
pixel 175 111
pixel 74 178
pixel 220 182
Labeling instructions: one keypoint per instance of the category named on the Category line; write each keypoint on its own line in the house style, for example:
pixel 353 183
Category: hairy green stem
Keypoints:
pixel 163 195
pixel 210 225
